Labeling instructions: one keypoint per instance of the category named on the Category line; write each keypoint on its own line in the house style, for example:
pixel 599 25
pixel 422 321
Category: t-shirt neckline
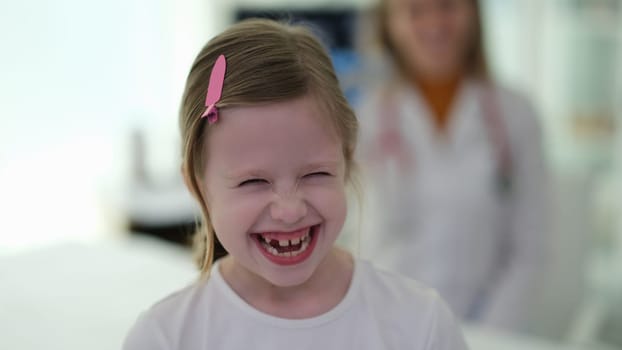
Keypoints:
pixel 332 314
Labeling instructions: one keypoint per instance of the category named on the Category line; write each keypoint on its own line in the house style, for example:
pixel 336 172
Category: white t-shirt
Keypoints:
pixel 381 310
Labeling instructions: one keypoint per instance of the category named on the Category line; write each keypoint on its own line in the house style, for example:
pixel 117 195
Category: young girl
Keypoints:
pixel 268 144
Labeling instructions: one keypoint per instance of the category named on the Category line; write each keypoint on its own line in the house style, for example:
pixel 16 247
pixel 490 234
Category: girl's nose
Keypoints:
pixel 288 209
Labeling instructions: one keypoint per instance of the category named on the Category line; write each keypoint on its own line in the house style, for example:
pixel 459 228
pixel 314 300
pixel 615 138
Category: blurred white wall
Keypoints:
pixel 77 77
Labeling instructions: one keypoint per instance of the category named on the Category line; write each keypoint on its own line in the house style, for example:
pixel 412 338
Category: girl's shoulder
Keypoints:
pixel 398 292
pixel 410 308
pixel 380 281
pixel 165 322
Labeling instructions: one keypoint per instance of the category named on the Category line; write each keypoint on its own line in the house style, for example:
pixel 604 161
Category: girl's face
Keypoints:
pixel 431 36
pixel 275 188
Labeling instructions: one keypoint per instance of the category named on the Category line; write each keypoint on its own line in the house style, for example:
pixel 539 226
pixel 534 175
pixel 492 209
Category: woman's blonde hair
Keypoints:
pixel 267 62
pixel 475 60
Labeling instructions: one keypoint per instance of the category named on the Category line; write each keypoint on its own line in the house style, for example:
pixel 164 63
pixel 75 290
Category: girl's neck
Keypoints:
pixel 326 287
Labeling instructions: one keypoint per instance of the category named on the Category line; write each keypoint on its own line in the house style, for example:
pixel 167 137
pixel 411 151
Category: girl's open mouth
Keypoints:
pixel 287 248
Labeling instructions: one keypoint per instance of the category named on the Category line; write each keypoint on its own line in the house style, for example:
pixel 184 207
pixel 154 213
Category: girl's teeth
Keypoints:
pixel 304 244
pixel 273 250
pixel 295 241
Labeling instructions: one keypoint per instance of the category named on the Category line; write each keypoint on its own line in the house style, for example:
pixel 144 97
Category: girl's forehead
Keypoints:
pixel 298 127
pixel 297 114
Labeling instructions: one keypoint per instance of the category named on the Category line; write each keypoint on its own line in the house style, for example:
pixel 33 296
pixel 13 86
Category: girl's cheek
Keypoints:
pixel 332 198
pixel 247 204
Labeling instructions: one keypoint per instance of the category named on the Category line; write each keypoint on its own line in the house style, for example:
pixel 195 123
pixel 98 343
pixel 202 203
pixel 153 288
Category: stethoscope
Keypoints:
pixel 390 143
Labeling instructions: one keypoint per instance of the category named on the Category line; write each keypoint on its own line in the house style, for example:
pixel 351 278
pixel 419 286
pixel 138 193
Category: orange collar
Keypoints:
pixel 439 97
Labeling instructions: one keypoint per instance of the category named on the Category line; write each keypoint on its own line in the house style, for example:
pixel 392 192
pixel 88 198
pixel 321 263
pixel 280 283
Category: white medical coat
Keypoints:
pixel 436 213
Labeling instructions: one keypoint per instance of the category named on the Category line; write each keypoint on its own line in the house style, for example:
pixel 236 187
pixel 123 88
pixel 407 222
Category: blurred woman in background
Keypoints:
pixel 455 164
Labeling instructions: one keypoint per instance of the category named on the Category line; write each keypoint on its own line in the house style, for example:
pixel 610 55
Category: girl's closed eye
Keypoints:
pixel 318 177
pixel 318 174
pixel 253 182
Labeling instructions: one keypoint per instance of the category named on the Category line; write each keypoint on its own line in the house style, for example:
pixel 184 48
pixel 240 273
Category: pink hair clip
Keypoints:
pixel 214 90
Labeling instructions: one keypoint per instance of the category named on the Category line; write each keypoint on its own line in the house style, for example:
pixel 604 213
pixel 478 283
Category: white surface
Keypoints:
pixel 77 296
pixel 488 339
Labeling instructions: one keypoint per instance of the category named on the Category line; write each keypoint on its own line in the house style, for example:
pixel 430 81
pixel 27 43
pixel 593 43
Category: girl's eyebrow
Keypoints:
pixel 237 175
pixel 318 165
pixel 245 173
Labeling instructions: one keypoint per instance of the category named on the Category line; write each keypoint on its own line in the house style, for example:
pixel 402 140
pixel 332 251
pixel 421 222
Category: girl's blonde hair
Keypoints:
pixel 475 59
pixel 267 62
